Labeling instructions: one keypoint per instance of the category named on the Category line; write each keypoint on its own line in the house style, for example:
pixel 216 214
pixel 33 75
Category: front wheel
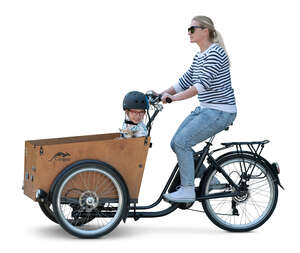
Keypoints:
pixel 246 211
pixel 89 201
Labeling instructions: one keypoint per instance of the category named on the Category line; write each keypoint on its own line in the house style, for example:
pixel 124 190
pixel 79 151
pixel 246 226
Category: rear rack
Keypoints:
pixel 255 147
pixel 245 143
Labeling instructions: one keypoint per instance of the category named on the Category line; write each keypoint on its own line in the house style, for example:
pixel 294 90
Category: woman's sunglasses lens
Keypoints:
pixel 191 29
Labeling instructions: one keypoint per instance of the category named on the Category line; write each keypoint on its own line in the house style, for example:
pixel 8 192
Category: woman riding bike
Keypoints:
pixel 209 78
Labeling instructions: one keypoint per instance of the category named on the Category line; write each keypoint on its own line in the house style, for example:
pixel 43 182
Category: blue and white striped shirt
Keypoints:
pixel 210 74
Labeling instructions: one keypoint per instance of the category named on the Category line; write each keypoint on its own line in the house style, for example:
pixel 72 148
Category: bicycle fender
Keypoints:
pixel 257 157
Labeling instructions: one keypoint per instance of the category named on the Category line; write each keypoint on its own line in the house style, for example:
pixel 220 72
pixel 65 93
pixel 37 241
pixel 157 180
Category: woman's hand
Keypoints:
pixel 165 96
pixel 190 92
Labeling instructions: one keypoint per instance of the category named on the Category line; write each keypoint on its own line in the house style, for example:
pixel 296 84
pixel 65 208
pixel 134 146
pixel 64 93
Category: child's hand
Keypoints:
pixel 128 132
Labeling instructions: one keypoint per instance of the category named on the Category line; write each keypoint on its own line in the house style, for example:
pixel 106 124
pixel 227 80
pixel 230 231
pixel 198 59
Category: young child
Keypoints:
pixel 135 104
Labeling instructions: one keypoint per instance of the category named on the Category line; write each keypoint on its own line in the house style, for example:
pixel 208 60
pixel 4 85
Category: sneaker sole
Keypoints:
pixel 170 200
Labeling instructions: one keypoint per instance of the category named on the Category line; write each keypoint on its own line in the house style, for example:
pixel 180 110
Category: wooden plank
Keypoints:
pixel 84 138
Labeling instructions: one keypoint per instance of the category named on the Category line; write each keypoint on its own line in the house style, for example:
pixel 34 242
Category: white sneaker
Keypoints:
pixel 185 194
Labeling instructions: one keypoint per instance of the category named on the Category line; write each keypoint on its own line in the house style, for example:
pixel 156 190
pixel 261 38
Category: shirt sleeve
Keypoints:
pixel 177 87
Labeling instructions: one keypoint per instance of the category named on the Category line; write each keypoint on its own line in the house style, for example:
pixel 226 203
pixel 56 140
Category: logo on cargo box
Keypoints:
pixel 61 156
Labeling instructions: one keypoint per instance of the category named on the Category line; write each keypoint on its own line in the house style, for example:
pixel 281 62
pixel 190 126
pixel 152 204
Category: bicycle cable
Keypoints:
pixel 194 210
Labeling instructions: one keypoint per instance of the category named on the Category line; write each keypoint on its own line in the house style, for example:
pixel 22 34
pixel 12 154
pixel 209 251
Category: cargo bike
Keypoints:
pixel 88 184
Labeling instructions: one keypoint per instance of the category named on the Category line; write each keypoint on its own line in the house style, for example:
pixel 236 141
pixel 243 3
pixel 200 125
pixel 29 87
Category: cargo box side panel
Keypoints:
pixel 127 156
pixel 31 153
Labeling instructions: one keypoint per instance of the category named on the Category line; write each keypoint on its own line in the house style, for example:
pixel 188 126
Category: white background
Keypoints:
pixel 65 67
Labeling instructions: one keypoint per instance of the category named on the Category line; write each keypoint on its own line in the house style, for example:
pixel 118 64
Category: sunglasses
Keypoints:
pixel 192 28
pixel 140 113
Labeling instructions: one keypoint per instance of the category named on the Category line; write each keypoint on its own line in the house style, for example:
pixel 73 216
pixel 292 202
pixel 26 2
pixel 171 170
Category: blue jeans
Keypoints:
pixel 201 124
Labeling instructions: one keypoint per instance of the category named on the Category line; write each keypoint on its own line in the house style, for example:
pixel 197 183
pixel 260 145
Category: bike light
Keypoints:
pixel 276 166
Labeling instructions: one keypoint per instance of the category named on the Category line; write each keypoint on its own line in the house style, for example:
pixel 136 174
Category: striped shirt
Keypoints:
pixel 210 74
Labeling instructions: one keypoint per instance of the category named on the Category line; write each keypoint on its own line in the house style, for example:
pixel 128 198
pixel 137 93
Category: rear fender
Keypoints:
pixel 256 157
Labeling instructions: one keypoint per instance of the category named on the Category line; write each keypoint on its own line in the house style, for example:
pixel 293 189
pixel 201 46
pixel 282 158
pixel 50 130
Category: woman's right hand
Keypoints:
pixel 165 96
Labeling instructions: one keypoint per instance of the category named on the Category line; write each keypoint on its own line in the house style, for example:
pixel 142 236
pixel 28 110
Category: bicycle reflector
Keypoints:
pixel 276 167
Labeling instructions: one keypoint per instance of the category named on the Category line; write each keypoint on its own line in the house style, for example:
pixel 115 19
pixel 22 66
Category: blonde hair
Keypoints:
pixel 213 34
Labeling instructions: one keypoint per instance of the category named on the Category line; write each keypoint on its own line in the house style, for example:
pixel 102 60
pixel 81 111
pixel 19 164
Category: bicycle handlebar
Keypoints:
pixel 168 100
pixel 154 99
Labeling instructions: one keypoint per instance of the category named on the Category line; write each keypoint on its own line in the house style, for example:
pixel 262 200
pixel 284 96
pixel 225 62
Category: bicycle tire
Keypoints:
pixel 263 204
pixel 87 197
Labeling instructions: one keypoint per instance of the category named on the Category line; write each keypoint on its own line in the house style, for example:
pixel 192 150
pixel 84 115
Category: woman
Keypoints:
pixel 209 78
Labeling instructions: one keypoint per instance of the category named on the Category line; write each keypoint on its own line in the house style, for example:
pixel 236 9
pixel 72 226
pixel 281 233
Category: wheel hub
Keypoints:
pixel 89 200
pixel 241 198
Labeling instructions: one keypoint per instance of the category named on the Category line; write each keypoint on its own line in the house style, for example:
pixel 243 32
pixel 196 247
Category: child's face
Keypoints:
pixel 136 115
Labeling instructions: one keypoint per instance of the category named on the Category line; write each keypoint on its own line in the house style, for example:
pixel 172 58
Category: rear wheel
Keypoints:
pixel 89 201
pixel 253 207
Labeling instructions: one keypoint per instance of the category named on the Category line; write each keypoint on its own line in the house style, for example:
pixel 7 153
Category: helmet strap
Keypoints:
pixel 129 122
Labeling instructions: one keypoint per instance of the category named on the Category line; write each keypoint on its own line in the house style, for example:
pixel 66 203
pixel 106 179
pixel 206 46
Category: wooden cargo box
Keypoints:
pixel 45 159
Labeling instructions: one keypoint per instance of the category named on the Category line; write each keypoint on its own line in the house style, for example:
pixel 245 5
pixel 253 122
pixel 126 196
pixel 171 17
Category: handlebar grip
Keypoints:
pixel 168 100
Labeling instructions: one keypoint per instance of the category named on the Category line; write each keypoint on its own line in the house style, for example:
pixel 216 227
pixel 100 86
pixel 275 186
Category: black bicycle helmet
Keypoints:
pixel 135 100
